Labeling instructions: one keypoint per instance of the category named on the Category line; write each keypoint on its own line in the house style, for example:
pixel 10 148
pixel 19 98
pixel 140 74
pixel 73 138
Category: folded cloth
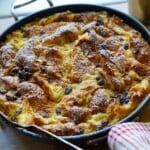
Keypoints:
pixel 130 136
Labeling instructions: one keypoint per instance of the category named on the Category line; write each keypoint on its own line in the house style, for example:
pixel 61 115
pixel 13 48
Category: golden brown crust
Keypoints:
pixel 99 102
pixel 73 73
pixel 25 56
pixel 81 66
pixel 6 54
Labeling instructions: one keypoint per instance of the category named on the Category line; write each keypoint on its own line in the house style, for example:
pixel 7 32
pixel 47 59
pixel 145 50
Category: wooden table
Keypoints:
pixel 12 140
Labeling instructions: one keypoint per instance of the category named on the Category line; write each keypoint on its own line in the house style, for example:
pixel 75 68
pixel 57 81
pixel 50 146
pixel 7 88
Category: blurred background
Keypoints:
pixel 41 4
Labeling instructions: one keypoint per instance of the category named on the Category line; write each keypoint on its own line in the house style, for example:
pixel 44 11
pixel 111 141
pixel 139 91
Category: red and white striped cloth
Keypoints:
pixel 130 136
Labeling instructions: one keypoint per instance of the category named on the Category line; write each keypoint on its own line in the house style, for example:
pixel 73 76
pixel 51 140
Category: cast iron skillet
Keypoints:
pixel 79 8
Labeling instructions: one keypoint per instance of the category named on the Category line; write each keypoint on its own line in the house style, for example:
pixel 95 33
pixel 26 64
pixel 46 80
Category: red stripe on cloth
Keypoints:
pixel 116 134
pixel 138 133
pixel 146 131
pixel 127 130
pixel 121 143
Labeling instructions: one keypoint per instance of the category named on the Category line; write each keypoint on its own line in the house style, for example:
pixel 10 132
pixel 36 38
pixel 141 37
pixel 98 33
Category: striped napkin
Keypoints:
pixel 130 136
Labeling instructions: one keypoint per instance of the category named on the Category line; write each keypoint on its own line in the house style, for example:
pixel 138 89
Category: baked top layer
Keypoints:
pixel 73 73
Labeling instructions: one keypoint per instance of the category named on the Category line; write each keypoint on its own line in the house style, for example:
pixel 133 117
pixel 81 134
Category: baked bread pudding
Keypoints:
pixel 73 73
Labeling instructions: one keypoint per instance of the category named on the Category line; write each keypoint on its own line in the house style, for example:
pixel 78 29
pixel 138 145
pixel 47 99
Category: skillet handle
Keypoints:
pixel 15 6
pixel 58 138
